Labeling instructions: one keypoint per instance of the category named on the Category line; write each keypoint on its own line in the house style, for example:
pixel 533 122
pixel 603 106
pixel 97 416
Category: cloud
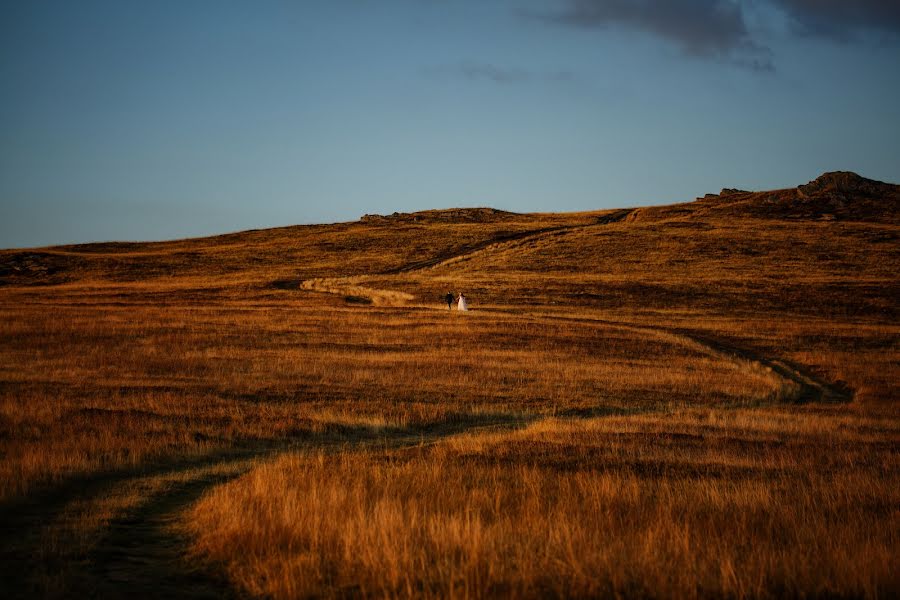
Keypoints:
pixel 487 72
pixel 480 71
pixel 842 20
pixel 713 29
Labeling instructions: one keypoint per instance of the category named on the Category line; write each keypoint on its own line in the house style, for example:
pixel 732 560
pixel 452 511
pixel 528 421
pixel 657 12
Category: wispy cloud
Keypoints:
pixel 713 29
pixel 487 72
pixel 482 71
pixel 842 20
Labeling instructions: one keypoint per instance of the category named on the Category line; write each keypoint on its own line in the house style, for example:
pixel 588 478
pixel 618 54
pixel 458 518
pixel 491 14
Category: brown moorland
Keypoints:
pixel 690 400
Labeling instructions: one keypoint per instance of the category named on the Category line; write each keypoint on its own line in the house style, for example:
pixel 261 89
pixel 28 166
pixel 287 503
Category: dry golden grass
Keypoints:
pixel 193 380
pixel 801 291
pixel 684 504
pixel 708 401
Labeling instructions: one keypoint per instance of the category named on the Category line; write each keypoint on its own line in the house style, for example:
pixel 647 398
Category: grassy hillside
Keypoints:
pixel 684 400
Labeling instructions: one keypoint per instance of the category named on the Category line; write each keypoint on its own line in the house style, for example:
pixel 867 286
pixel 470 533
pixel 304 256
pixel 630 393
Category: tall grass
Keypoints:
pixel 643 472
pixel 687 504
pixel 98 388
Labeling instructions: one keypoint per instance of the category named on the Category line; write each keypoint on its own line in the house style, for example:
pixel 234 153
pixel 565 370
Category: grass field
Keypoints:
pixel 689 503
pixel 686 401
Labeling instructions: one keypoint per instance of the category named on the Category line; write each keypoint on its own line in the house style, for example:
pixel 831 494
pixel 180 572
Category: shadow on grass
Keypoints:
pixel 596 412
pixel 138 554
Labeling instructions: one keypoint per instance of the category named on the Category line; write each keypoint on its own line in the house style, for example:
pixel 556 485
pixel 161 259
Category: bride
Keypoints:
pixel 461 303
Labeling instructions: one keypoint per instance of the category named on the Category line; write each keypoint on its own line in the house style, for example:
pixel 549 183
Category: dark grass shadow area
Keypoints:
pixel 139 555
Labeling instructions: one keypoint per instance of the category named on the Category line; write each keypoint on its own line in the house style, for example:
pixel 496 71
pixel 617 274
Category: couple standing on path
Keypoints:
pixel 460 302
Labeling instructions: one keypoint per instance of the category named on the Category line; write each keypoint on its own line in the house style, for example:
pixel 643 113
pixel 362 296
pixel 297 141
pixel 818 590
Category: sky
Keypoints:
pixel 136 120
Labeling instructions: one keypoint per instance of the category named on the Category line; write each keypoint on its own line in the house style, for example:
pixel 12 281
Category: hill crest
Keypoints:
pixel 833 196
pixel 447 215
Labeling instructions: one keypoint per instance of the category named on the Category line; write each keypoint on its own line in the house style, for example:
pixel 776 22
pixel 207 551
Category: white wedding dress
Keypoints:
pixel 461 303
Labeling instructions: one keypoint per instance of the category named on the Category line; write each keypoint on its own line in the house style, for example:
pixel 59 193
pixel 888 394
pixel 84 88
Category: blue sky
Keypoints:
pixel 157 120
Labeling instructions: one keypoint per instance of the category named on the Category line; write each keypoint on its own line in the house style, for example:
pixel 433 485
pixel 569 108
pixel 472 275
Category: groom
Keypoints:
pixel 449 299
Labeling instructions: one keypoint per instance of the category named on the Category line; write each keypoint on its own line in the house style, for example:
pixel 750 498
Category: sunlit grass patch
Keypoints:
pixel 696 503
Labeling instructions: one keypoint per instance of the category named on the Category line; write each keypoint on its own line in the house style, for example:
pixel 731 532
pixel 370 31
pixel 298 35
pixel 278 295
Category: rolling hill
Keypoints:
pixel 721 374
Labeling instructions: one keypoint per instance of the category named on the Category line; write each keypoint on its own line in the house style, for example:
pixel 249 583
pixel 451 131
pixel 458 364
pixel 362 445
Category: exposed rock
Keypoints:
pixel 450 215
pixel 836 196
pixel 35 268
pixel 844 184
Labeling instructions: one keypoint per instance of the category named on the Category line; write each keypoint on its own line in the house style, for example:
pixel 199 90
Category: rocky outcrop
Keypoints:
pixel 844 185
pixel 35 268
pixel 450 215
pixel 843 195
pixel 835 196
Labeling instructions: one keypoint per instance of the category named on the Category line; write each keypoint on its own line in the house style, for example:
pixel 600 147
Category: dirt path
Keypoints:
pixel 141 554
pixel 809 387
pixel 48 541
pixel 494 243
pixel 355 286
pixel 135 549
